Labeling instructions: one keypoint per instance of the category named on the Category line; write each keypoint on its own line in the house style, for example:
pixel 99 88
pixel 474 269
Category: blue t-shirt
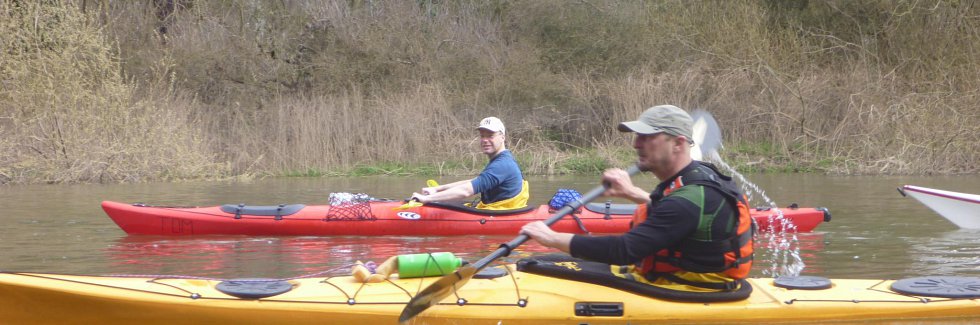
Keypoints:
pixel 500 180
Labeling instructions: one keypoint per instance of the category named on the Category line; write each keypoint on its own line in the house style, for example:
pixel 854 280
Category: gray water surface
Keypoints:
pixel 875 232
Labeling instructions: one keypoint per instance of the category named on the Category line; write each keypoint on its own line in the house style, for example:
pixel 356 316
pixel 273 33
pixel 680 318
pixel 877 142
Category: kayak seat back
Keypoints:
pixel 611 208
pixel 459 206
pixel 262 210
pixel 556 265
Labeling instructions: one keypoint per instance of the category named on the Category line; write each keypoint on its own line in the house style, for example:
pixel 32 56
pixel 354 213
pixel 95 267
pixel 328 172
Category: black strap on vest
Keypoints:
pixel 732 244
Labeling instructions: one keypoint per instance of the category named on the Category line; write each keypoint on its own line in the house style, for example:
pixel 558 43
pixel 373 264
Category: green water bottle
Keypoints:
pixel 427 264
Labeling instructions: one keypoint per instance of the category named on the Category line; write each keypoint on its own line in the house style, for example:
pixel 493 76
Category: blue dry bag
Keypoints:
pixel 563 197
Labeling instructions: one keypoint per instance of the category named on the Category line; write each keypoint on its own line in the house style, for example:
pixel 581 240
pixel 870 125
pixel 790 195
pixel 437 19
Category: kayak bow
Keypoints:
pixel 961 209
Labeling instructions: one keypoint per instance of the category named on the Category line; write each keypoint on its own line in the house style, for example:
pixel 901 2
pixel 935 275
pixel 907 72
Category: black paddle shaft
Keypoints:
pixel 505 249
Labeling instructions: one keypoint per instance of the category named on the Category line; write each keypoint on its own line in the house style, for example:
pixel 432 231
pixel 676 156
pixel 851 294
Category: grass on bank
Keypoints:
pixel 383 168
pixel 582 162
pixel 745 158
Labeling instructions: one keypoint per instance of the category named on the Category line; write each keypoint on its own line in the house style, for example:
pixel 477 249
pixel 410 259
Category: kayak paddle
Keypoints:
pixel 413 202
pixel 706 137
pixel 445 286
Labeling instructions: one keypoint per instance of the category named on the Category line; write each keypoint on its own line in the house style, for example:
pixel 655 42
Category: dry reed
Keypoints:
pixel 72 117
pixel 132 91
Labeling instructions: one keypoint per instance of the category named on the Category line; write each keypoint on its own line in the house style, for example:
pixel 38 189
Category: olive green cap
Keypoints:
pixel 669 119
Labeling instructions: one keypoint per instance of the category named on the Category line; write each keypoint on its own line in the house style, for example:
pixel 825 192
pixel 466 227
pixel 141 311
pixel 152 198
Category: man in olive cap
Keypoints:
pixel 663 139
pixel 692 233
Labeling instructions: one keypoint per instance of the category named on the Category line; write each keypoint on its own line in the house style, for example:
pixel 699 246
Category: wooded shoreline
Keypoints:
pixel 130 91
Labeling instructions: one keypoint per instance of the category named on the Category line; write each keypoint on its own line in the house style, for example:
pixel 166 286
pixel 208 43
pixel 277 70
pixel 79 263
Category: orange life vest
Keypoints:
pixel 736 247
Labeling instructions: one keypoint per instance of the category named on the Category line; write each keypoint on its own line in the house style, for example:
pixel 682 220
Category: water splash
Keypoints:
pixel 780 236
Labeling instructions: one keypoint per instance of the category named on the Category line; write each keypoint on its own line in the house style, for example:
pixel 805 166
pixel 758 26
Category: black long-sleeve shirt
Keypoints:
pixel 671 220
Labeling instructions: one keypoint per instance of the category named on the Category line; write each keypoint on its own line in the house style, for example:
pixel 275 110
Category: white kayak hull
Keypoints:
pixel 961 209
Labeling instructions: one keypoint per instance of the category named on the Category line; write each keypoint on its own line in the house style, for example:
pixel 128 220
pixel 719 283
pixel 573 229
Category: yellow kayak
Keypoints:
pixel 504 295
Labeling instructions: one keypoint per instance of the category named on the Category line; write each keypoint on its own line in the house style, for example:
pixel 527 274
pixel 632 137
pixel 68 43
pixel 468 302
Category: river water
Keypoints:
pixel 875 232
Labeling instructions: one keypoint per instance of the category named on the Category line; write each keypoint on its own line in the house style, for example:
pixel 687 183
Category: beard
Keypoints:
pixel 654 163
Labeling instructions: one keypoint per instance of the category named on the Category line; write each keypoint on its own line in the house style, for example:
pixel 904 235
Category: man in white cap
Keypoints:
pixel 692 233
pixel 501 184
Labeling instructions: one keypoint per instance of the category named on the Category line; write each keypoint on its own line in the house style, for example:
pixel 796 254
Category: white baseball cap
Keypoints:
pixel 492 124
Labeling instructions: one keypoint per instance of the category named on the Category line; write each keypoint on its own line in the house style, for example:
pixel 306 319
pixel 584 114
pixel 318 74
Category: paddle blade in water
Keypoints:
pixel 431 183
pixel 436 292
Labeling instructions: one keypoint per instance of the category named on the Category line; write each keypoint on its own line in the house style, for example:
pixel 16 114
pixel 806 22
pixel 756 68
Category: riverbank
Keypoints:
pixel 588 162
pixel 137 91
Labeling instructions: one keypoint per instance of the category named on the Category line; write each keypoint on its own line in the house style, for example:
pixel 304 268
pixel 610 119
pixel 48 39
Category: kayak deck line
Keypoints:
pixel 920 300
pixel 40 297
pixel 350 299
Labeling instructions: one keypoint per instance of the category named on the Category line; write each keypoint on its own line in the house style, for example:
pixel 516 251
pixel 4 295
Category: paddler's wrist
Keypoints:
pixel 558 240
pixel 638 195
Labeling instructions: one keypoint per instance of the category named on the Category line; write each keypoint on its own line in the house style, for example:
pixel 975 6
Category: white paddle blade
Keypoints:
pixel 700 128
pixel 696 152
pixel 706 134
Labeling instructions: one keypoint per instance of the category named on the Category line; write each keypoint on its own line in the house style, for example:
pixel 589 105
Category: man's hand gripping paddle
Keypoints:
pixel 413 203
pixel 445 286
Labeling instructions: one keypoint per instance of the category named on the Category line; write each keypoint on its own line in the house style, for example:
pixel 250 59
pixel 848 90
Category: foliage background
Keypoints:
pixel 121 91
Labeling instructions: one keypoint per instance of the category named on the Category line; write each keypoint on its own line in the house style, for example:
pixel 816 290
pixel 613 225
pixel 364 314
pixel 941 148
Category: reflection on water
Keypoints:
pixel 242 256
pixel 875 233
pixel 950 253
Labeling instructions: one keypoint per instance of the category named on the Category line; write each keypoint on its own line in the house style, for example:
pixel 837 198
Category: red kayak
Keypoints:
pixel 380 217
